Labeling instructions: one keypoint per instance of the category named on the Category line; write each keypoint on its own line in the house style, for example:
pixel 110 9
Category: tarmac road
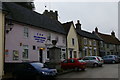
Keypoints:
pixel 107 71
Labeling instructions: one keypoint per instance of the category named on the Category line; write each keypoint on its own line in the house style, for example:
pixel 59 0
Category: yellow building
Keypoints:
pixel 88 42
pixel 2 15
pixel 72 40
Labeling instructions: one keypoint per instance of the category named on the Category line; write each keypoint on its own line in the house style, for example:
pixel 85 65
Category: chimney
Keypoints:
pixel 51 14
pixel 113 33
pixel 96 30
pixel 78 25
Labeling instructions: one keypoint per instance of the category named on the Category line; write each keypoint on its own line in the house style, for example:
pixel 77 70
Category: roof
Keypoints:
pixel 26 16
pixel 87 34
pixel 109 38
pixel 67 26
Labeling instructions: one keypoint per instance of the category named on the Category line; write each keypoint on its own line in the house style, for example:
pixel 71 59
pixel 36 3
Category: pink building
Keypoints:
pixel 29 35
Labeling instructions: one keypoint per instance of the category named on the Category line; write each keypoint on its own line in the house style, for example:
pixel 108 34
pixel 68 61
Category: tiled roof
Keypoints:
pixel 87 34
pixel 24 15
pixel 67 26
pixel 109 38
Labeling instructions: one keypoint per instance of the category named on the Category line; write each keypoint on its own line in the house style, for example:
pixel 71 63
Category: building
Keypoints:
pixel 88 42
pixel 2 20
pixel 72 40
pixel 29 35
pixel 110 43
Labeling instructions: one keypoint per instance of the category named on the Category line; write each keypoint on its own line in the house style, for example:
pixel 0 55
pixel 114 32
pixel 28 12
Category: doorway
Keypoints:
pixel 41 55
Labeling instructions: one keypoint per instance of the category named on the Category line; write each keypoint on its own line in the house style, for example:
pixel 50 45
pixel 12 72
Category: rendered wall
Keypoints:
pixel 1 43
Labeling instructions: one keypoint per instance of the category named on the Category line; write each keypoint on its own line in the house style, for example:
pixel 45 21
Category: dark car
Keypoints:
pixel 73 63
pixel 29 70
pixel 111 59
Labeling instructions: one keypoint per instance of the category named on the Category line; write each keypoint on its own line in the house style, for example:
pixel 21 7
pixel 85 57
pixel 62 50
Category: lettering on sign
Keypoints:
pixel 40 38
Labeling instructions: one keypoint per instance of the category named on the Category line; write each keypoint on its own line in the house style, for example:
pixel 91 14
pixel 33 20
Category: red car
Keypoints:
pixel 73 63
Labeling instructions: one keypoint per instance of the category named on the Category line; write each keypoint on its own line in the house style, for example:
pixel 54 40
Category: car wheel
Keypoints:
pixel 83 69
pixel 113 62
pixel 95 65
pixel 76 68
pixel 101 65
pixel 38 77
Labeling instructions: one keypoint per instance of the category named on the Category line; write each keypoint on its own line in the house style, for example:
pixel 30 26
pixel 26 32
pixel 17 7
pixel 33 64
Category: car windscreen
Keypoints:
pixel 37 65
pixel 82 61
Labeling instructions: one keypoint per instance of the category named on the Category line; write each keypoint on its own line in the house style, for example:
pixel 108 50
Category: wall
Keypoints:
pixel 1 43
pixel 72 34
pixel 15 40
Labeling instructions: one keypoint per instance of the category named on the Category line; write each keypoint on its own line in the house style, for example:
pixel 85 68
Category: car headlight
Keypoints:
pixel 46 73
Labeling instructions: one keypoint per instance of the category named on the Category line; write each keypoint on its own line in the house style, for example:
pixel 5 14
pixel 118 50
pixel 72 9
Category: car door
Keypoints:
pixel 86 59
pixel 64 64
pixel 71 63
pixel 92 60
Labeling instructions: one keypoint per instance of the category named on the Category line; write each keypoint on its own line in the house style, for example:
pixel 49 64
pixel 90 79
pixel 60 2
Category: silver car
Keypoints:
pixel 93 61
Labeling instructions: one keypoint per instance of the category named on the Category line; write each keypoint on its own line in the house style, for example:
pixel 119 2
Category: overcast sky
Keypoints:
pixel 103 15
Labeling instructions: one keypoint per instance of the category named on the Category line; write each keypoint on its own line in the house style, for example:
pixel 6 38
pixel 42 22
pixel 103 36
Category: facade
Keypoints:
pixel 2 15
pixel 110 43
pixel 88 42
pixel 72 40
pixel 29 35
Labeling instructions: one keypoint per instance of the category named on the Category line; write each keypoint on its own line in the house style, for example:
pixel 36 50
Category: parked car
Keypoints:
pixel 73 63
pixel 118 58
pixel 111 59
pixel 93 61
pixel 31 69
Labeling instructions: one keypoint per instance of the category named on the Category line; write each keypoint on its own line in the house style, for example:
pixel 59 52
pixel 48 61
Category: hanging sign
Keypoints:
pixel 40 38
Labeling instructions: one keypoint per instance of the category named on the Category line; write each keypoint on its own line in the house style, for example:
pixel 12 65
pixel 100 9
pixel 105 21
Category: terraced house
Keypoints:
pixel 72 40
pixel 110 44
pixel 29 35
pixel 88 42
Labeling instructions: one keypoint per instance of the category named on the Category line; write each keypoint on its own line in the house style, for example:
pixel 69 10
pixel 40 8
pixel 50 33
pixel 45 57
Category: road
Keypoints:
pixel 107 71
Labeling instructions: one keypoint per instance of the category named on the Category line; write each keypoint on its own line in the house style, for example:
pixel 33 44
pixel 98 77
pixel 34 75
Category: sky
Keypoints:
pixel 103 15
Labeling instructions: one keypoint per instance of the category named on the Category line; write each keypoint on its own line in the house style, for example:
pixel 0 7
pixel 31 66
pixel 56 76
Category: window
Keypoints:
pixel 65 61
pixel 63 49
pixel 101 43
pixel 34 47
pixel 26 32
pixel 63 39
pixel 25 52
pixel 73 42
pixel 90 43
pixel 71 60
pixel 48 53
pixel 85 41
pixel 70 54
pixel 49 36
pixel 107 45
pixel 94 42
pixel 15 55
pixel 57 39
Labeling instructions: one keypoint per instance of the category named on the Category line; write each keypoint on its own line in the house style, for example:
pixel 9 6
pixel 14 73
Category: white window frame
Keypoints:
pixel 26 32
pixel 85 41
pixel 25 47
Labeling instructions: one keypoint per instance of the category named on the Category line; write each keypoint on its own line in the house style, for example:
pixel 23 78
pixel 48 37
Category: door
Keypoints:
pixel 41 55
